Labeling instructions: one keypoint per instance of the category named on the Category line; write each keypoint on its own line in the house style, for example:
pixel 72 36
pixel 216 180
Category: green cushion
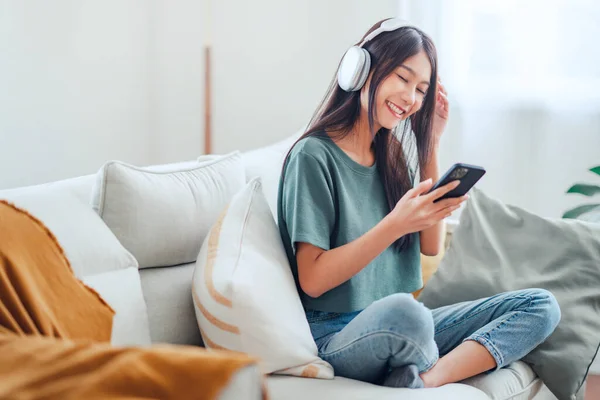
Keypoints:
pixel 498 248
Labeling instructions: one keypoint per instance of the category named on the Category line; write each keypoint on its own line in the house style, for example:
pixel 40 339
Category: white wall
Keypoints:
pixel 86 81
pixel 176 36
pixel 532 154
pixel 273 61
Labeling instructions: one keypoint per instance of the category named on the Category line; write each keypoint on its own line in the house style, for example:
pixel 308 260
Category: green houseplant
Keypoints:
pixel 590 212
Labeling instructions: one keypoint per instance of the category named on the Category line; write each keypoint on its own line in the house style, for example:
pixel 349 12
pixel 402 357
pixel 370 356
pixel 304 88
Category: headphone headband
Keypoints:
pixel 386 26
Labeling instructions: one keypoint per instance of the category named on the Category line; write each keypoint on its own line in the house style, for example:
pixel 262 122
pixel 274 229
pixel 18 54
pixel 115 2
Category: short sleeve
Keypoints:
pixel 307 201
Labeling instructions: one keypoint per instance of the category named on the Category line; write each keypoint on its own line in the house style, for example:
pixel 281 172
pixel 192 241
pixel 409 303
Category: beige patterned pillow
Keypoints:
pixel 244 293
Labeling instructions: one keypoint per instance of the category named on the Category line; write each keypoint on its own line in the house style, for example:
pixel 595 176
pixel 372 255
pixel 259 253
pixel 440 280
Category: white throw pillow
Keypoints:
pixel 244 293
pixel 89 245
pixel 162 215
pixel 122 290
pixel 266 163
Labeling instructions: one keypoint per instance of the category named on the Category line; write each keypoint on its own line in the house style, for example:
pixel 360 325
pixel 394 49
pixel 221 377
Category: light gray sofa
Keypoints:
pixel 155 305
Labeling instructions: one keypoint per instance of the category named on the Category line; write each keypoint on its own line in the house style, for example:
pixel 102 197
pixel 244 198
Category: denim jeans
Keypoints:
pixel 397 331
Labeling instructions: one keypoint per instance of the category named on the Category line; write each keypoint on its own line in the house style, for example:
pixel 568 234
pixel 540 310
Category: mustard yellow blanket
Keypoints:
pixel 55 333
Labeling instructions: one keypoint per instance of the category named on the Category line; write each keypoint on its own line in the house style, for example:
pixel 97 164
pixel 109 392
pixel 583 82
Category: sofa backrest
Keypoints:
pixel 65 206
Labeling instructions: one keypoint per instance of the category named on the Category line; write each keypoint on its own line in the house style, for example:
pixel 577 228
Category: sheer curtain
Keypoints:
pixel 524 86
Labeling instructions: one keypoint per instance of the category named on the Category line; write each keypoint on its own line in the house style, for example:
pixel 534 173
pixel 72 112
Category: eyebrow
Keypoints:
pixel 412 71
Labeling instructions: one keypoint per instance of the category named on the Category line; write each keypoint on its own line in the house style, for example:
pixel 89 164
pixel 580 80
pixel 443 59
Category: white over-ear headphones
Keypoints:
pixel 356 63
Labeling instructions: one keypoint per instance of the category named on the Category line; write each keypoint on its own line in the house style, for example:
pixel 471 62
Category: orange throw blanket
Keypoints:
pixel 55 332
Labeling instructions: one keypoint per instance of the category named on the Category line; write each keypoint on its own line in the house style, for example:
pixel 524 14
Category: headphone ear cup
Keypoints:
pixel 364 71
pixel 354 69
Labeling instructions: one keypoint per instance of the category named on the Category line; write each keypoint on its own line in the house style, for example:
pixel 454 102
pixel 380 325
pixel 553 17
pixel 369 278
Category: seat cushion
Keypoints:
pixel 168 294
pixel 245 384
pixel 294 388
pixel 515 382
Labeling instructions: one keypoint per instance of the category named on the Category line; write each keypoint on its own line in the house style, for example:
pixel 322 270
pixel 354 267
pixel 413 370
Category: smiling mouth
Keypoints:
pixel 396 110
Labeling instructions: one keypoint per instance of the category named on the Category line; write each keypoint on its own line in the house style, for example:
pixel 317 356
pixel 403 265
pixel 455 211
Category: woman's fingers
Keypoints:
pixel 442 95
pixel 455 202
pixel 442 87
pixel 445 212
pixel 439 192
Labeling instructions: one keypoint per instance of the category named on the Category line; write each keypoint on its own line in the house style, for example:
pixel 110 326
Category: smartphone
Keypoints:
pixel 467 174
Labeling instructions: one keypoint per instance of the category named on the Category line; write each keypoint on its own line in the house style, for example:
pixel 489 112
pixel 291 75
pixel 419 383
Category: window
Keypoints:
pixel 522 51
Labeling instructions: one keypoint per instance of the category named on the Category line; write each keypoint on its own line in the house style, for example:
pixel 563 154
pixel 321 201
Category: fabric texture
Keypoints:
pixel 393 332
pixel 39 294
pixel 516 381
pixel 319 195
pixel 44 367
pixel 399 331
pixel 293 388
pixel 497 248
pixel 266 163
pixel 88 243
pixel 162 215
pixel 54 332
pixel 244 293
pixel 170 307
pixel 122 290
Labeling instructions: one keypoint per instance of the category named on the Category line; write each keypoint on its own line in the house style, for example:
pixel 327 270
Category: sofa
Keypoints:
pixel 154 305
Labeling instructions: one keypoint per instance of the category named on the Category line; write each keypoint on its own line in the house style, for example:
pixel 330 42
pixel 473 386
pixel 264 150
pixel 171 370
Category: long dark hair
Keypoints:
pixel 339 112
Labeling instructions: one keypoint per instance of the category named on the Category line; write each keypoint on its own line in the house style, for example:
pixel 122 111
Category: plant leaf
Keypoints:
pixel 577 211
pixel 596 170
pixel 584 189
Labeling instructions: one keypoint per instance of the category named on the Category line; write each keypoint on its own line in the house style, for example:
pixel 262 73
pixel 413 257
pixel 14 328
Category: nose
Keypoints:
pixel 408 97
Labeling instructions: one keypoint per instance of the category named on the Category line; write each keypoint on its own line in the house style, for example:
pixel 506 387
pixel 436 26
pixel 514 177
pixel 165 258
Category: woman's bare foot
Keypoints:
pixel 468 359
pixel 431 378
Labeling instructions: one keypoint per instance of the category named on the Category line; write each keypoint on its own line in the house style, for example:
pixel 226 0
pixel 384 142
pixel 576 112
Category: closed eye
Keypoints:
pixel 423 92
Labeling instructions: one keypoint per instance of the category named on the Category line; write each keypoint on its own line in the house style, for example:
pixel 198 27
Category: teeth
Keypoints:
pixel 395 109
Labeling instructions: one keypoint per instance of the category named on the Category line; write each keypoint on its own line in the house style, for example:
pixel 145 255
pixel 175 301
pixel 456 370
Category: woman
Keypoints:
pixel 354 226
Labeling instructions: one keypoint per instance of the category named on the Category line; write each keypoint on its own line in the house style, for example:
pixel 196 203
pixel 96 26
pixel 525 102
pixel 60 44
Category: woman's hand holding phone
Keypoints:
pixel 417 209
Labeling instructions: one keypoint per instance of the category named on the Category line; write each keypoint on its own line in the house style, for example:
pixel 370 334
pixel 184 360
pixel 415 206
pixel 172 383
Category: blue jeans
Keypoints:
pixel 397 331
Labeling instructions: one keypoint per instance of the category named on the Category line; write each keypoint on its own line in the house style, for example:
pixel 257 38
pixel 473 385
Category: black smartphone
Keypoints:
pixel 467 174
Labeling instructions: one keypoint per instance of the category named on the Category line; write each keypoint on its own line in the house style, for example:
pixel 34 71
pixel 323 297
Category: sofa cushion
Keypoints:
pixel 122 290
pixel 266 163
pixel 167 292
pixel 498 248
pixel 516 381
pixel 89 244
pixel 162 214
pixel 245 297
pixel 294 388
pixel 246 383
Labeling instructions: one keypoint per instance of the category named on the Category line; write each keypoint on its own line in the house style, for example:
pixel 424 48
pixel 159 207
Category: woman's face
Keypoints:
pixel 401 94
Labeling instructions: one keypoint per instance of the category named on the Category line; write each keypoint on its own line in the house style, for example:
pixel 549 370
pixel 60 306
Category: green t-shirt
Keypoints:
pixel 327 199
